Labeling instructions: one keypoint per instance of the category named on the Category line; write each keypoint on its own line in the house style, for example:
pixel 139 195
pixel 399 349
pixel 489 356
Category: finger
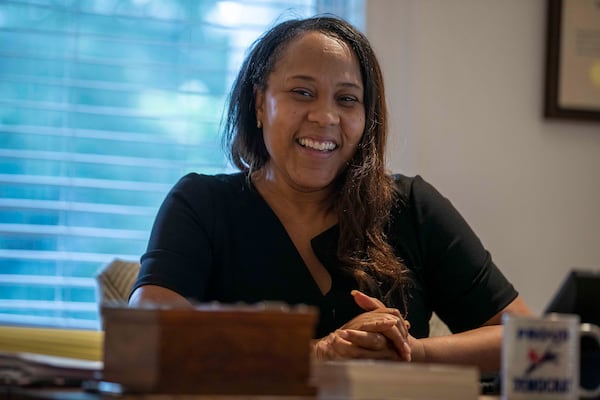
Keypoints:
pixel 400 343
pixel 332 346
pixel 394 330
pixel 358 344
pixel 343 344
pixel 365 302
pixel 374 323
pixel 369 303
pixel 397 339
pixel 377 320
pixel 398 335
pixel 403 325
pixel 366 340
pixel 392 311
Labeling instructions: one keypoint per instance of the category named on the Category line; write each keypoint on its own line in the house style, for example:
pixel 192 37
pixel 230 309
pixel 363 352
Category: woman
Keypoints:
pixel 313 215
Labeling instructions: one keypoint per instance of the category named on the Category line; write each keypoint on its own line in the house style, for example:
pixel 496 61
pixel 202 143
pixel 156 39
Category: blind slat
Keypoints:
pixel 89 158
pixel 99 208
pixel 44 281
pixel 70 230
pixel 6 256
pixel 66 181
pixel 115 136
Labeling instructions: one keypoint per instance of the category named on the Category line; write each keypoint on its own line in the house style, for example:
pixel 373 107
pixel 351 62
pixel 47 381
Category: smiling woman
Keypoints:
pixel 313 217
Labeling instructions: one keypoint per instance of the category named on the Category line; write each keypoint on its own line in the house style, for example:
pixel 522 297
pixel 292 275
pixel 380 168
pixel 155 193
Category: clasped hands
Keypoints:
pixel 378 333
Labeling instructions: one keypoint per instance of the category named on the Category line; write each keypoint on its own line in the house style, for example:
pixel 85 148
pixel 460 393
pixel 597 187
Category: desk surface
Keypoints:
pixel 76 394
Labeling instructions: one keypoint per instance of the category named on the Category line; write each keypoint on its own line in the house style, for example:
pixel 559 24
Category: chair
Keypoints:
pixel 437 327
pixel 115 280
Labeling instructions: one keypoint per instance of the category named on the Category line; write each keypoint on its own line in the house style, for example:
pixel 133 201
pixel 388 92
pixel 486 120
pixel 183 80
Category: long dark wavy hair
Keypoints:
pixel 365 192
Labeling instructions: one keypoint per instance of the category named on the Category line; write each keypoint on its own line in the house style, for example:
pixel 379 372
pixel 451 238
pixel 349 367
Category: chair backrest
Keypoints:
pixel 115 280
pixel 437 327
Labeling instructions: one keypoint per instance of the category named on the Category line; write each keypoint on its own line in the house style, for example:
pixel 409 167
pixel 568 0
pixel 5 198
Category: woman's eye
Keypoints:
pixel 302 92
pixel 348 99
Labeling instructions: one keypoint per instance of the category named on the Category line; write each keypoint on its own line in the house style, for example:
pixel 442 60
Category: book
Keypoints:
pixel 49 356
pixel 29 369
pixel 389 380
pixel 70 343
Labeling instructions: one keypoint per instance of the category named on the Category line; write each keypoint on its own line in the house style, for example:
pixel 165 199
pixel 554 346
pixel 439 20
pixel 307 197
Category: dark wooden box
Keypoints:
pixel 209 349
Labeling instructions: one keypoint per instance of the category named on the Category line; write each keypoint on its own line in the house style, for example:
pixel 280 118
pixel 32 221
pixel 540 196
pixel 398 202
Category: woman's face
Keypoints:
pixel 312 112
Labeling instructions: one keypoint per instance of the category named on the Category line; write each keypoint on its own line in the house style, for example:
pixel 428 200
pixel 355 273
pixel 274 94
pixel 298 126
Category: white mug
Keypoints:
pixel 540 357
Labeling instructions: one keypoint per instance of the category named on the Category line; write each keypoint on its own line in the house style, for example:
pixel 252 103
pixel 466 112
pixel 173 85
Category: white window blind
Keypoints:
pixel 104 105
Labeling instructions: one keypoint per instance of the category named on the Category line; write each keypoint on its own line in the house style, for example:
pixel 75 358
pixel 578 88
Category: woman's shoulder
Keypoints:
pixel 196 178
pixel 422 203
pixel 221 183
pixel 413 189
pixel 212 191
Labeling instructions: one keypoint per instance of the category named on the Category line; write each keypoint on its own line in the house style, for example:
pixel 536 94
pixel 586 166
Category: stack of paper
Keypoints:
pixel 387 380
pixel 72 343
pixel 34 356
pixel 25 369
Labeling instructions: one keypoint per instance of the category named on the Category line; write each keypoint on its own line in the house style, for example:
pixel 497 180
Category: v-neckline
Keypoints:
pixel 316 239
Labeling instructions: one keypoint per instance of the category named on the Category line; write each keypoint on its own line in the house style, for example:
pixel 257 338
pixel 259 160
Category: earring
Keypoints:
pixel 258 123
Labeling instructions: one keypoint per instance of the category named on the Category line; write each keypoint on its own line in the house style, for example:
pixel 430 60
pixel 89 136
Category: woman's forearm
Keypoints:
pixel 480 347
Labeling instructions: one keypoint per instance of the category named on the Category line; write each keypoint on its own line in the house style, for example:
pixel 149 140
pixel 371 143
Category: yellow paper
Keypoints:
pixel 73 343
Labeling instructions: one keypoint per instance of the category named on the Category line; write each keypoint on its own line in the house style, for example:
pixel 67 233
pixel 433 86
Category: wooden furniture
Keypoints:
pixel 209 349
pixel 77 394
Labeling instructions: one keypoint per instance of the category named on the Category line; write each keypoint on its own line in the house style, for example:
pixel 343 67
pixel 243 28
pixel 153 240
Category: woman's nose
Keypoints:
pixel 324 113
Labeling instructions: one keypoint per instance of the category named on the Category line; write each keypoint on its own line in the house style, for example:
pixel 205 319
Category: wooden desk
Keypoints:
pixel 351 379
pixel 76 394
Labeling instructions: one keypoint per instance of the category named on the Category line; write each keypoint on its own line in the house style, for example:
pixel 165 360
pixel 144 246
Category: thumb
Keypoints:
pixel 365 302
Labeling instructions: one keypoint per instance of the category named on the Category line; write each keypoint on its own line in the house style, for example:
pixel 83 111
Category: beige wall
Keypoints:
pixel 465 85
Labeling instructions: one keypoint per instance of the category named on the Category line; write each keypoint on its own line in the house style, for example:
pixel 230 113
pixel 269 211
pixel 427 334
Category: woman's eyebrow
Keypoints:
pixel 311 79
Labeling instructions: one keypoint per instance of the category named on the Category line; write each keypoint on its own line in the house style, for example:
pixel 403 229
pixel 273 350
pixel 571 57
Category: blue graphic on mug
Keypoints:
pixel 536 360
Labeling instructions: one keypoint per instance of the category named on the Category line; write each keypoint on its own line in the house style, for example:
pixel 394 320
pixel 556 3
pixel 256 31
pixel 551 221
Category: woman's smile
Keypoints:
pixel 323 146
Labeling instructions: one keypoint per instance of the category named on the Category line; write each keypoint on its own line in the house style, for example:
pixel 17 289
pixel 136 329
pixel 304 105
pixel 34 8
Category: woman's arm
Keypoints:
pixel 480 347
pixel 152 294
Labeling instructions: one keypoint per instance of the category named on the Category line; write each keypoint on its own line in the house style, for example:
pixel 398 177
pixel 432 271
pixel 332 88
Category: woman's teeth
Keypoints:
pixel 321 146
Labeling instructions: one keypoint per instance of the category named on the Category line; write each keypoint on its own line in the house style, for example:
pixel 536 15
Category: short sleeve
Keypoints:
pixel 179 251
pixel 460 281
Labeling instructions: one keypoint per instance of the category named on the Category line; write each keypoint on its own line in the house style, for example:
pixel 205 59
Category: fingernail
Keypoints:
pixel 354 292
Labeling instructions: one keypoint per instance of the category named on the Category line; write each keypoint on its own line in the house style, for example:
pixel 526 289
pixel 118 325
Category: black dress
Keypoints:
pixel 216 239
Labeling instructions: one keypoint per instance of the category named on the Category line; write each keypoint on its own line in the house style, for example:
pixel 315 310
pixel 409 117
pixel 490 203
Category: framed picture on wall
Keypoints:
pixel 572 87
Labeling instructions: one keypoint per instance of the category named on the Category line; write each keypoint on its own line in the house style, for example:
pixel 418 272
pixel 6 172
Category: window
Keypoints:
pixel 104 105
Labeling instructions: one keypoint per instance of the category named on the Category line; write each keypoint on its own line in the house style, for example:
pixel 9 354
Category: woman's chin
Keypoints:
pixel 314 182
